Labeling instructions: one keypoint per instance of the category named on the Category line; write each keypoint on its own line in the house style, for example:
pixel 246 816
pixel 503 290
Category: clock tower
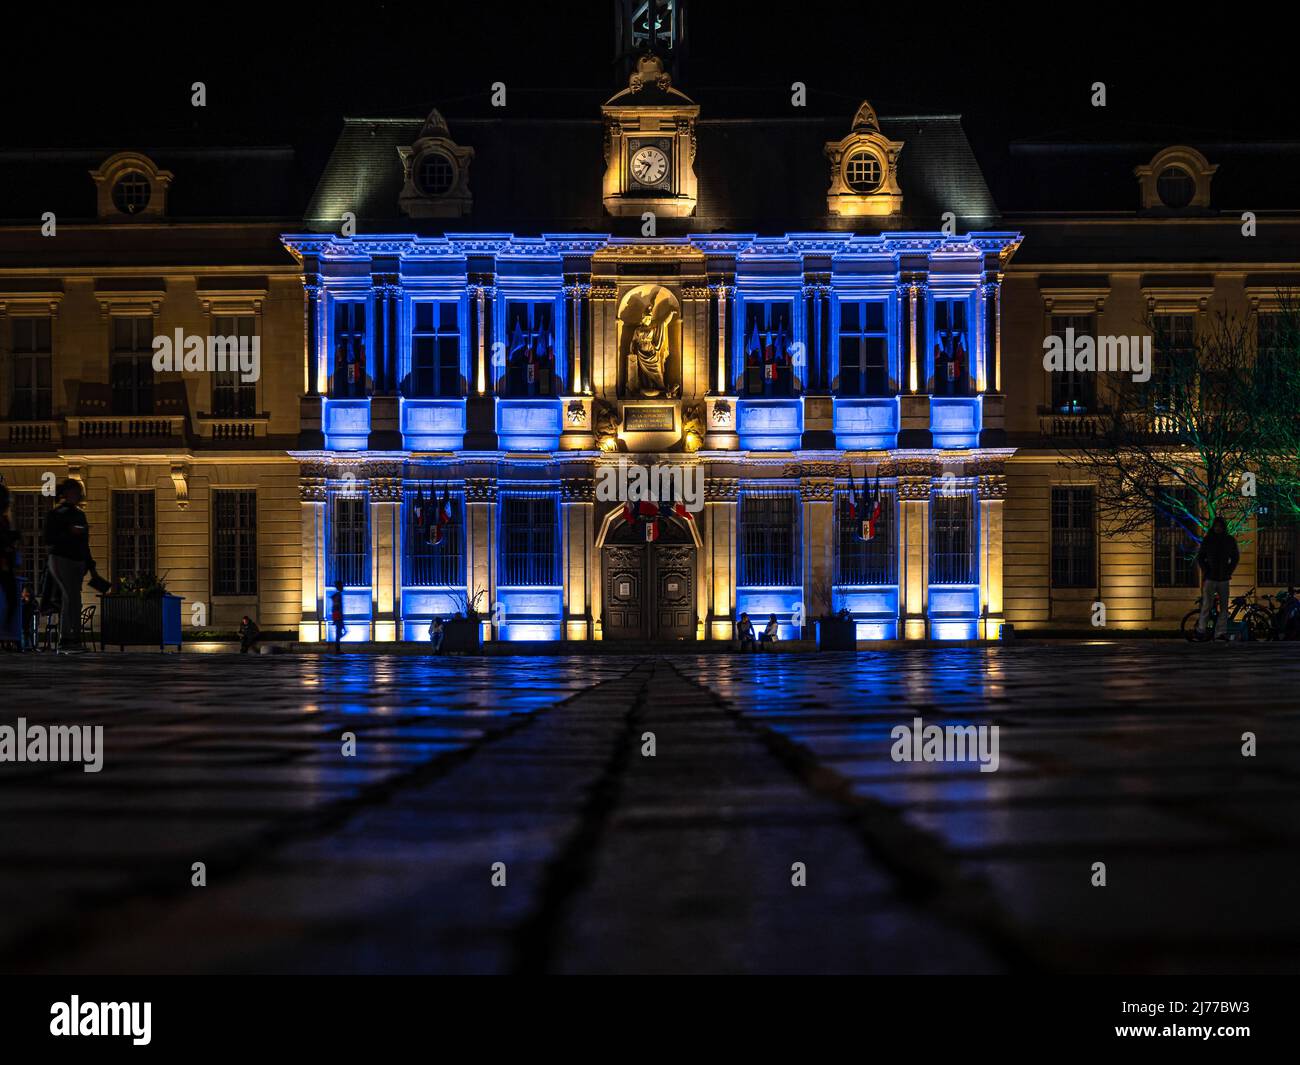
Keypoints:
pixel 650 146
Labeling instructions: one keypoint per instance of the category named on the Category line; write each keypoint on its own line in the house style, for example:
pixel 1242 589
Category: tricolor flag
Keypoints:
pixel 871 507
pixel 417 508
pixel 442 517
pixel 651 530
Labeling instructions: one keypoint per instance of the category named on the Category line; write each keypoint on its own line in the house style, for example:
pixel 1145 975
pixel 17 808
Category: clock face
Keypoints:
pixel 649 165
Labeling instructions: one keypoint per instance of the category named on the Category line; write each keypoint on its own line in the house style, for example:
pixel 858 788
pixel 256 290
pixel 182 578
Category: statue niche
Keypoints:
pixel 650 342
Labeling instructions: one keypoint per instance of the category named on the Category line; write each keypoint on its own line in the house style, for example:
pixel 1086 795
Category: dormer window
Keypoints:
pixel 1177 179
pixel 436 171
pixel 129 185
pixel 1175 187
pixel 435 174
pixel 863 171
pixel 131 192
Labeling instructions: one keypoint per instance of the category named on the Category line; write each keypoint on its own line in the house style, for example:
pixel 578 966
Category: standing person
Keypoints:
pixel 1218 557
pixel 31 618
pixel 9 607
pixel 436 634
pixel 67 533
pixel 336 615
pixel 248 634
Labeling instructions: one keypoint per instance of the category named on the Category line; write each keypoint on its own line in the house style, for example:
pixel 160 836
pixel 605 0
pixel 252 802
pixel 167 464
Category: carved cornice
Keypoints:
pixel 577 490
pixel 817 491
pixel 992 486
pixel 914 488
pixel 385 489
pixel 480 490
pixel 721 489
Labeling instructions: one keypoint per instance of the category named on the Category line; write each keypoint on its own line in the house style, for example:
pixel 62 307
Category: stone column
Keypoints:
pixel 311 357
pixel 992 496
pixel 481 546
pixel 311 495
pixel 913 555
pixel 818 495
pixel 386 551
pixel 720 546
pixel 695 339
pixel 577 530
pixel 604 338
pixel 724 363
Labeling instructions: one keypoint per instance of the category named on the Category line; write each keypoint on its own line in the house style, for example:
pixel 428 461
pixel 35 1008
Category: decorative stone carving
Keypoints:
pixel 864 170
pixel 436 173
pixel 480 490
pixel 721 489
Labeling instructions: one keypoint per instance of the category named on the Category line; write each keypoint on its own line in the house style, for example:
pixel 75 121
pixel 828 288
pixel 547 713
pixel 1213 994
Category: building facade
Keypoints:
pixel 623 373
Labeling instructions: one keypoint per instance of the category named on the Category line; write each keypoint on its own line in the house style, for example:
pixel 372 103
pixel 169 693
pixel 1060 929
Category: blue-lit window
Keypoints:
pixel 348 536
pixel 864 350
pixel 435 351
pixel 433 548
pixel 953 557
pixel 530 537
pixel 766 342
pixel 951 348
pixel 768 534
pixel 1175 561
pixel 27 511
pixel 865 562
pixel 349 379
pixel 530 349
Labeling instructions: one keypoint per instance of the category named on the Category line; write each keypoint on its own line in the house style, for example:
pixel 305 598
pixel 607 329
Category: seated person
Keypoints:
pixel 745 633
pixel 772 630
pixel 249 634
pixel 436 634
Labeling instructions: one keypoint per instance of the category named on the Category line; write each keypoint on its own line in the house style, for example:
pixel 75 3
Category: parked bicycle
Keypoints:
pixel 1246 614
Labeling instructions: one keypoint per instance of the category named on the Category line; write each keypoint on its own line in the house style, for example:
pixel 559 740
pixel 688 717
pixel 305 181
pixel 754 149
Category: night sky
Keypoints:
pixel 106 77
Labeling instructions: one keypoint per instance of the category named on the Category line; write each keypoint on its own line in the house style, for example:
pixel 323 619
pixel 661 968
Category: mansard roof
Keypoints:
pixel 760 175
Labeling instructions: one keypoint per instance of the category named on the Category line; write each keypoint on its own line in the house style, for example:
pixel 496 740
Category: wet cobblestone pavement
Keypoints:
pixel 1127 754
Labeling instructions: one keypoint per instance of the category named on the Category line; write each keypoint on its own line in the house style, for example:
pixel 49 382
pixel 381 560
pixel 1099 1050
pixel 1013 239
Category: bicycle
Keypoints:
pixel 1242 610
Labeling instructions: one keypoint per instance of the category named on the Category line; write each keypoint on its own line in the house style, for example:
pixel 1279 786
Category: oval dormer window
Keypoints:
pixel 435 174
pixel 863 171
pixel 131 192
pixel 1175 187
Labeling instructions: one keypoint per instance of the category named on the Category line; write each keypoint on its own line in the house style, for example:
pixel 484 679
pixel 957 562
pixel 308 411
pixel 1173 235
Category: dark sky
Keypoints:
pixel 105 75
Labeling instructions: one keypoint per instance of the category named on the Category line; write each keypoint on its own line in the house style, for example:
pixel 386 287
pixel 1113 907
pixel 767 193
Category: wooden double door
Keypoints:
pixel 649 591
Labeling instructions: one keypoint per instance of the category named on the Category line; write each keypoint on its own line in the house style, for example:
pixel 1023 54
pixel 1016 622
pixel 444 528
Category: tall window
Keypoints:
pixel 1277 545
pixel 1175 561
pixel 349 539
pixel 133 536
pixel 234 541
pixel 769 335
pixel 530 349
pixel 231 396
pixel 951 348
pixel 1074 538
pixel 30 350
pixel 433 552
pixel 349 381
pixel 530 530
pixel 1073 391
pixel 27 512
pixel 864 350
pixel 858 561
pixel 1174 341
pixel 768 535
pixel 952 538
pixel 131 365
pixel 1274 337
pixel 435 351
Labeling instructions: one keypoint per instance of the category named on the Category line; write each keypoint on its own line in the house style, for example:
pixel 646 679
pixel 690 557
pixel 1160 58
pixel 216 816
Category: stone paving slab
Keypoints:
pixel 616 861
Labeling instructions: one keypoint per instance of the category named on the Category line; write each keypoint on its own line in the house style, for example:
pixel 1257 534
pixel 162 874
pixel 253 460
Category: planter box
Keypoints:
pixel 140 621
pixel 833 634
pixel 463 636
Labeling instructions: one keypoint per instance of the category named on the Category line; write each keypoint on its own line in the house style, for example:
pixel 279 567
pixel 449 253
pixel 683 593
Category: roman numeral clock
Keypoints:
pixel 650 146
